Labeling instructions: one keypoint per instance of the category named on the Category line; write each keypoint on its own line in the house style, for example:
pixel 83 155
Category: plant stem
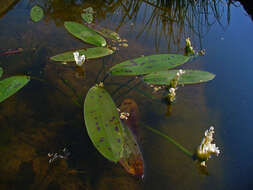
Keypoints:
pixel 135 89
pixel 183 149
pixel 105 77
pixel 100 71
pixel 129 90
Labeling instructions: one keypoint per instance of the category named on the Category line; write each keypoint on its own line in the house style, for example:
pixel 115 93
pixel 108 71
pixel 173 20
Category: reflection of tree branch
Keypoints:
pixel 169 20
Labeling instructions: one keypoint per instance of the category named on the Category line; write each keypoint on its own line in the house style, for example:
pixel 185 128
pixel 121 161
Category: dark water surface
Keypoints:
pixel 44 117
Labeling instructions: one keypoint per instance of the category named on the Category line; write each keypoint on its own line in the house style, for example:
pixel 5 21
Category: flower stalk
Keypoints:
pixel 179 146
pixel 173 86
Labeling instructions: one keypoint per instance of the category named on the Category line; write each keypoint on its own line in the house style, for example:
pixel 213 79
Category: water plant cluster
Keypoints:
pixel 103 120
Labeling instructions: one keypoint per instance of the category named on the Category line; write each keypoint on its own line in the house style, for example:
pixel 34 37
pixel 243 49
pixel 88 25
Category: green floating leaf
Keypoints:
pixel 90 53
pixel 1 71
pixel 148 64
pixel 36 13
pixel 11 85
pixel 84 33
pixel 103 123
pixel 107 33
pixel 190 77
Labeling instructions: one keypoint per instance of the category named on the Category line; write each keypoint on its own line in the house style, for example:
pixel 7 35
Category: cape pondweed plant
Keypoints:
pixel 102 118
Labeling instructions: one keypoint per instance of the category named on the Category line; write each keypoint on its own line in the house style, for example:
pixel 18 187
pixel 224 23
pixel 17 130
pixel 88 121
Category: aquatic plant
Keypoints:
pixel 11 85
pixel 206 148
pixel 36 13
pixel 87 15
pixel 102 119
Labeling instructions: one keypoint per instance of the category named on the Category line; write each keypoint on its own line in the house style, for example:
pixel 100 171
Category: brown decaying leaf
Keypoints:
pixel 132 159
pixel 129 105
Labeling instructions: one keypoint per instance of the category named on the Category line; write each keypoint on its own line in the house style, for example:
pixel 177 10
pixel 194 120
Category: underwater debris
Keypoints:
pixel 54 156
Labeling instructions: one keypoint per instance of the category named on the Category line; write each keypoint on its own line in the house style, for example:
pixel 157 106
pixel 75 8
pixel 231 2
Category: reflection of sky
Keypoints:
pixel 229 56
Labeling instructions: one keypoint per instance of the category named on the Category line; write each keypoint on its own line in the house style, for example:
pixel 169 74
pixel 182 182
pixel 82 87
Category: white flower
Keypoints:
pixel 79 59
pixel 157 88
pixel 172 95
pixel 180 72
pixel 206 147
pixel 124 115
pixel 172 91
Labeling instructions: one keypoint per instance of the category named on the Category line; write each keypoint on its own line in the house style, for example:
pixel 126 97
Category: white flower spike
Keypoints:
pixel 206 147
pixel 172 95
pixel 79 59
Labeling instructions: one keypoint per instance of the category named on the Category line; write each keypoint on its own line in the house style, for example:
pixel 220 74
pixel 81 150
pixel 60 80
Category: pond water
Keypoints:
pixel 44 117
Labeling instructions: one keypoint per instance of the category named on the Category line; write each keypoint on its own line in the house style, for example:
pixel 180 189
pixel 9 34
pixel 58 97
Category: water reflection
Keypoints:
pixel 6 5
pixel 168 21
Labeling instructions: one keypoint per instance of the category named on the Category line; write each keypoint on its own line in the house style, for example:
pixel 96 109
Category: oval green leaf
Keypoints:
pixel 1 71
pixel 148 64
pixel 11 85
pixel 189 77
pixel 103 123
pixel 36 13
pixel 84 33
pixel 90 53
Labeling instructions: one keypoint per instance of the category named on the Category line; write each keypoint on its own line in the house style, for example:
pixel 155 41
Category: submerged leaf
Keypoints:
pixel 148 64
pixel 90 53
pixel 129 106
pixel 131 158
pixel 103 124
pixel 11 85
pixel 36 13
pixel 1 72
pixel 189 77
pixel 84 33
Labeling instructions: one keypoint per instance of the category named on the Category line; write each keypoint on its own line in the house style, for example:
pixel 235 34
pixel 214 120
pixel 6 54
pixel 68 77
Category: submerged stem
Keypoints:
pixel 183 149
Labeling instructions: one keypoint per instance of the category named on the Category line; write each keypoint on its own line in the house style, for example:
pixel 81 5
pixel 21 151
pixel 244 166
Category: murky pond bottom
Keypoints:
pixel 46 116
